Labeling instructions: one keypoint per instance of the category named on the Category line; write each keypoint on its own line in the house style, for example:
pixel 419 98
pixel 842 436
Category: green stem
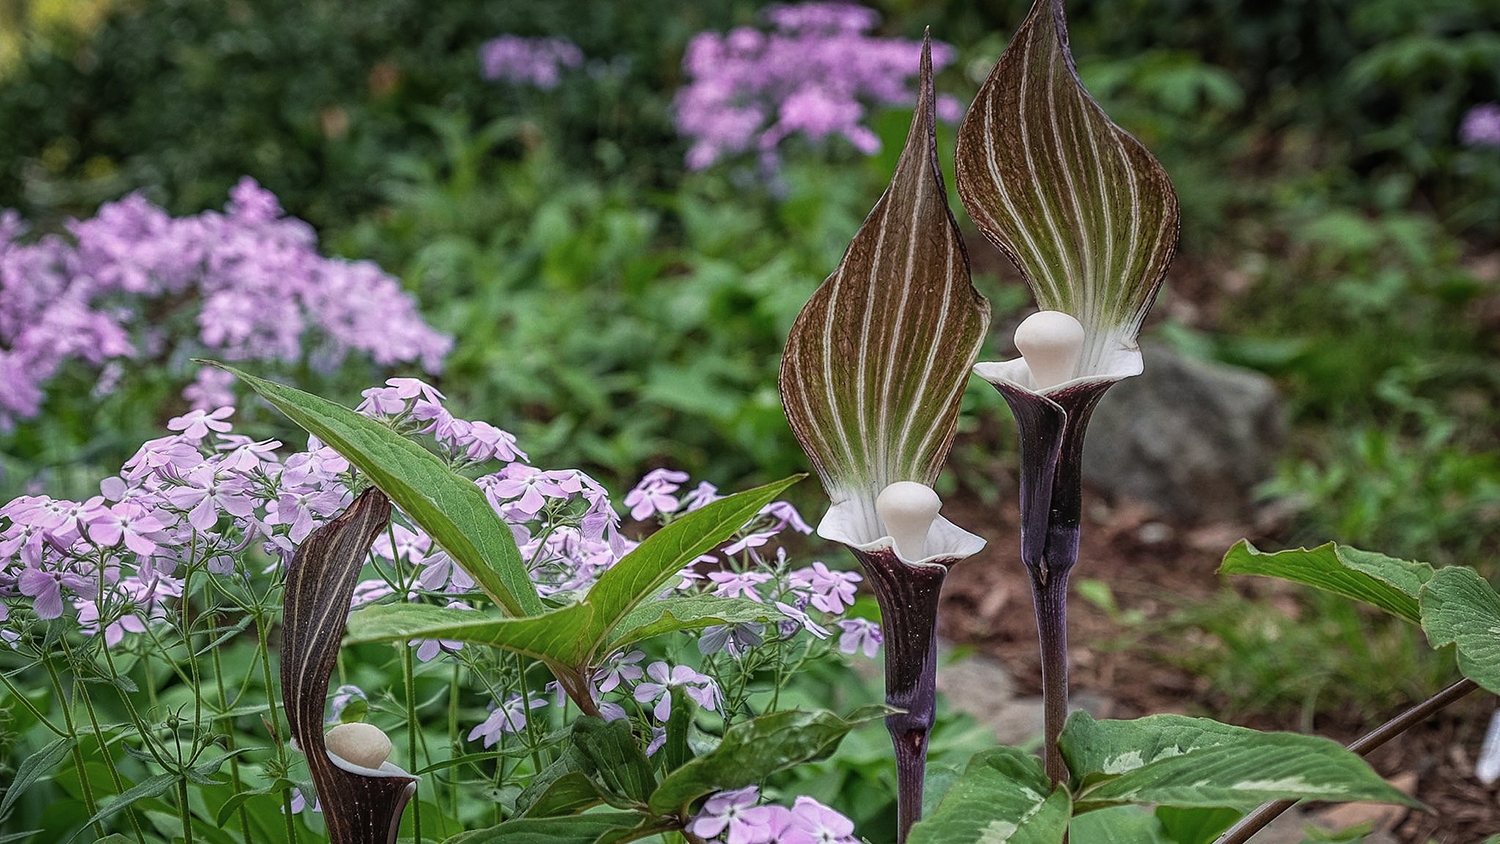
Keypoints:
pixel 83 774
pixel 187 815
pixel 411 739
pixel 109 759
pixel 453 732
pixel 131 711
pixel 234 761
pixel 265 666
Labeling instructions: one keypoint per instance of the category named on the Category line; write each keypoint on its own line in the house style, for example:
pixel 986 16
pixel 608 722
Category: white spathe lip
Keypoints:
pixel 386 769
pixel 1116 364
pixel 855 523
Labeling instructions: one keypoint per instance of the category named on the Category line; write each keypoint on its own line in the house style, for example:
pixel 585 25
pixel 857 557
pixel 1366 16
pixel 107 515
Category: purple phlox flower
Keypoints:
pixel 440 573
pixel 658 740
pixel 10 637
pixel 528 61
pixel 210 389
pixel 1481 126
pixel 413 388
pixel 429 648
pixel 860 634
pixel 690 575
pixel 244 455
pixel 206 491
pixel 734 638
pixel 816 75
pixel 367 591
pixel 813 823
pixel 558 693
pixel 732 584
pixel 341 698
pixel 519 492
pixel 734 815
pixel 618 670
pixel 823 17
pixel 88 622
pixel 300 804
pixel 486 442
pixel 748 541
pixel 44 586
pixel 797 619
pixel 440 423
pixel 304 509
pixel 176 454
pixel 608 709
pixel 381 401
pixel 110 525
pixel 699 687
pixel 654 494
pixel 508 717
pixel 786 516
pixel 195 424
pixel 701 496
pixel 318 465
pixel 410 545
pixel 830 590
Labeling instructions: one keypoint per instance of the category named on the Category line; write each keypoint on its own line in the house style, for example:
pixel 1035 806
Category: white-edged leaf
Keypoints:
pixel 1003 797
pixel 1460 608
pixel 1077 204
pixel 876 362
pixel 1178 761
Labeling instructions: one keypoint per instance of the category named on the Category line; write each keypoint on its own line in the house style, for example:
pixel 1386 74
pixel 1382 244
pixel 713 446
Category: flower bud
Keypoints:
pixel 908 509
pixel 1051 342
pixel 358 744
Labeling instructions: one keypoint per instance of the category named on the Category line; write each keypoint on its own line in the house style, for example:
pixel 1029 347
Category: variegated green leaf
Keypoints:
pixel 876 362
pixel 1078 204
pixel 1460 608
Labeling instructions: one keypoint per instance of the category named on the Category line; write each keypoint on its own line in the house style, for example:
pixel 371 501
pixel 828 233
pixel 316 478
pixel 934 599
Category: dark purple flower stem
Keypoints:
pixel 1051 600
pixel 1051 431
pixel 908 597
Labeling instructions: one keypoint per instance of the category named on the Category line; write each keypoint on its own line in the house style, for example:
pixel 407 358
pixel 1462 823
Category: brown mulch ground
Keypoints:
pixel 1156 568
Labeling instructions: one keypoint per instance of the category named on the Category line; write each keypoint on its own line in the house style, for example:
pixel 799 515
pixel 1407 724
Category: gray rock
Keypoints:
pixel 1188 438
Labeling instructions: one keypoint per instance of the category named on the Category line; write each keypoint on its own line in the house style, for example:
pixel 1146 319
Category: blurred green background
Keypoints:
pixel 618 312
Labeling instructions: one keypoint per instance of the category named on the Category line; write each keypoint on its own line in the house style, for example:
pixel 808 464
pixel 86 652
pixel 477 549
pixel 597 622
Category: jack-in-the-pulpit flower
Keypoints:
pixel 361 793
pixel 871 382
pixel 1090 219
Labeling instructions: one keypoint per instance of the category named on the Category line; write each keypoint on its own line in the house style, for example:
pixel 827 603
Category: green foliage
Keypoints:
pixel 753 750
pixel 1459 608
pixel 1384 582
pixel 448 506
pixel 1004 796
pixel 1195 762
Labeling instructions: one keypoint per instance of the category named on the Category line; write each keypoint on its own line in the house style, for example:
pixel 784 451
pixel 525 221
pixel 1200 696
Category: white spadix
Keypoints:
pixel 908 510
pixel 358 744
pixel 1051 342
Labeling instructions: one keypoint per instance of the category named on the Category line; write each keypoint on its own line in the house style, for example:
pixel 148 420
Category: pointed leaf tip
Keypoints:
pixel 876 362
pixel 1080 206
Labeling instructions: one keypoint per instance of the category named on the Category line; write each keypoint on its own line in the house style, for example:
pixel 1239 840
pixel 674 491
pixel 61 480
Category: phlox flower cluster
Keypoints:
pixel 738 817
pixel 256 285
pixel 206 498
pixel 528 61
pixel 814 74
pixel 1481 126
